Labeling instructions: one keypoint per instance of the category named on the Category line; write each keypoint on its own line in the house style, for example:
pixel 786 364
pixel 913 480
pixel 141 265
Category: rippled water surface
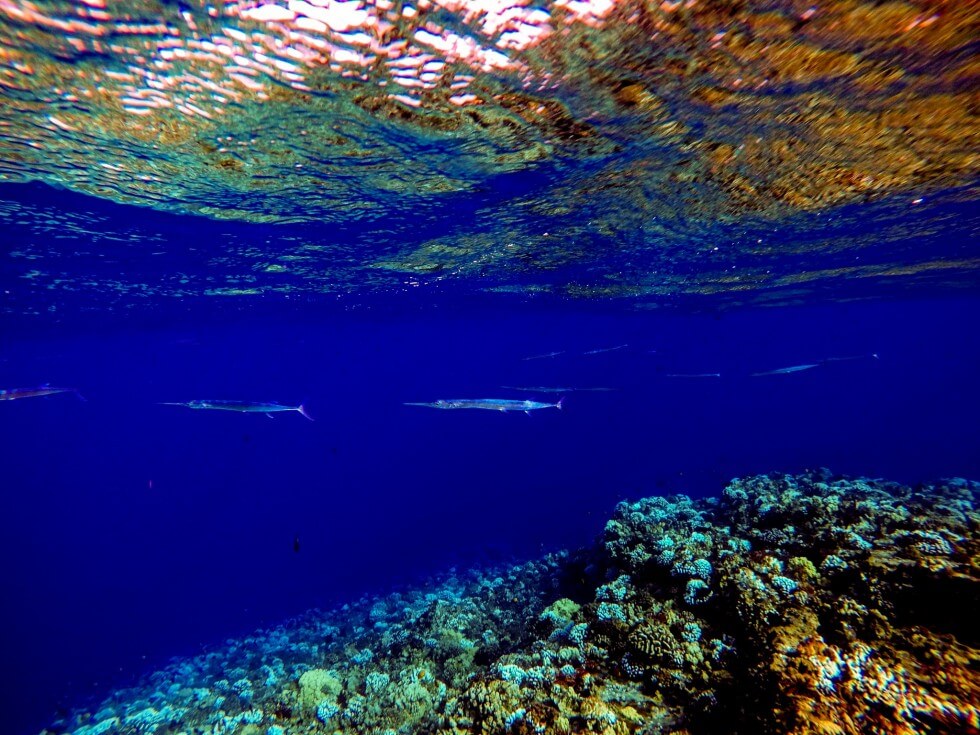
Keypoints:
pixel 588 148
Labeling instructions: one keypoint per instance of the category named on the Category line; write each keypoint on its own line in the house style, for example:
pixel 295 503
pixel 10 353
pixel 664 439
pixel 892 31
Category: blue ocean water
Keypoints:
pixel 708 243
pixel 134 532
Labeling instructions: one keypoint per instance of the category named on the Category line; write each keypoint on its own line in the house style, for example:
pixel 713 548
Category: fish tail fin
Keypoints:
pixel 560 401
pixel 303 413
pixel 79 396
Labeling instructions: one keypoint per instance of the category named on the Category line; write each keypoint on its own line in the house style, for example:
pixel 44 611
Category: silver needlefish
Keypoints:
pixel 545 356
pixel 809 366
pixel 547 389
pixel 603 350
pixel 788 370
pixel 490 404
pixel 241 406
pixel 13 394
pixel 852 357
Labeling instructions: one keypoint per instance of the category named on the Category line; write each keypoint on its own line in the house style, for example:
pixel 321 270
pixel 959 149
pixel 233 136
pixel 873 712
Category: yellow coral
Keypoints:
pixel 316 685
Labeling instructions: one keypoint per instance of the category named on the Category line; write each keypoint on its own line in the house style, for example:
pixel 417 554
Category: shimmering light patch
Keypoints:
pixel 195 67
pixel 592 12
pixel 356 34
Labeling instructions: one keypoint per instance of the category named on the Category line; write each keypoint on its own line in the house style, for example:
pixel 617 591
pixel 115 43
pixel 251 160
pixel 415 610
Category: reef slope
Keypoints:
pixel 789 604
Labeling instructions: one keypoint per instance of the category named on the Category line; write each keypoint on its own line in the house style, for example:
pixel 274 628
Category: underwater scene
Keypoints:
pixel 489 367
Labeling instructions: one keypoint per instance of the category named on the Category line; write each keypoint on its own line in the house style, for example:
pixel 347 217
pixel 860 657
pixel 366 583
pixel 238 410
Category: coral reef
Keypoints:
pixel 808 604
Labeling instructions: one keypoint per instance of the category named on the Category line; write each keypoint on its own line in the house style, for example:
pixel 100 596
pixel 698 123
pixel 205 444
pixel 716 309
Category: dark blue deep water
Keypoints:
pixel 133 532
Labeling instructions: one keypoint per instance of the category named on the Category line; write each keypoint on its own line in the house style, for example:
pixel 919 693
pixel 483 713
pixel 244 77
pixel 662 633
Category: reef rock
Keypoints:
pixel 808 604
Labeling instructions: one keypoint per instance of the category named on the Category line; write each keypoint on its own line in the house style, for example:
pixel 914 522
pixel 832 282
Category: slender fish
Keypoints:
pixel 545 389
pixel 14 394
pixel 852 357
pixel 788 370
pixel 490 404
pixel 242 406
pixel 601 350
pixel 545 355
pixel 810 366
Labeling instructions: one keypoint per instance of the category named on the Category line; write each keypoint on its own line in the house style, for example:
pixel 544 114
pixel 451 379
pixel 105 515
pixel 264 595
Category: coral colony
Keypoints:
pixel 799 604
